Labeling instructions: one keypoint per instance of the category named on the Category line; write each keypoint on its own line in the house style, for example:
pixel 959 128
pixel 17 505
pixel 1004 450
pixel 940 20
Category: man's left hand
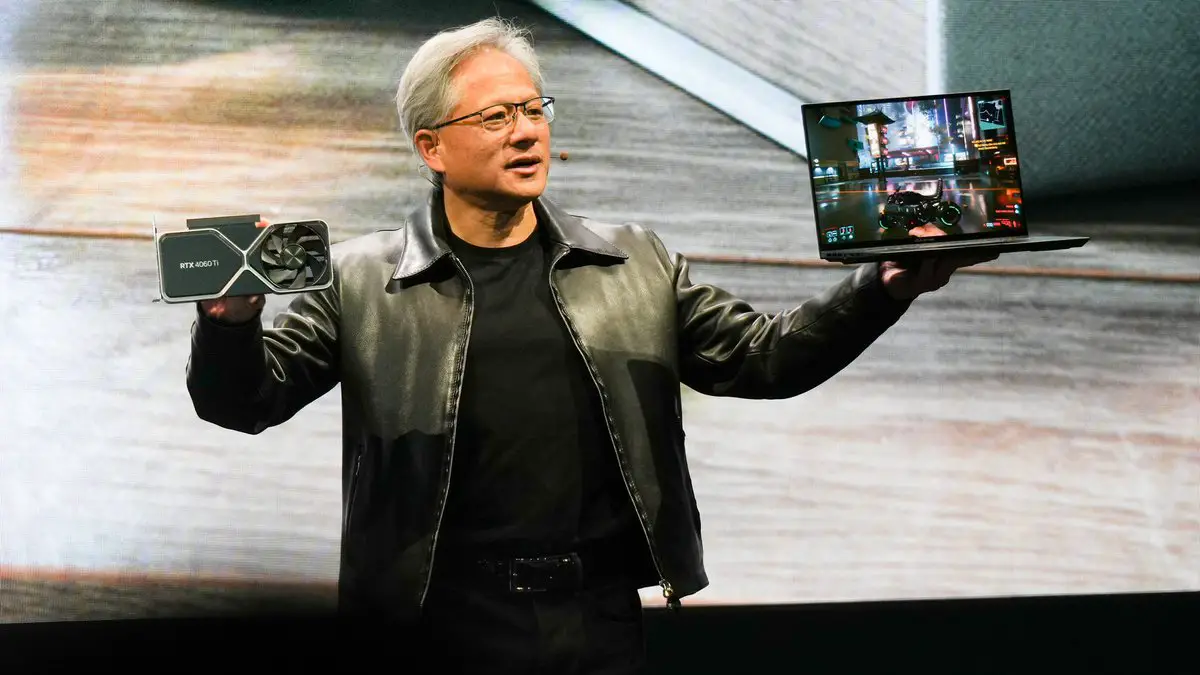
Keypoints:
pixel 905 281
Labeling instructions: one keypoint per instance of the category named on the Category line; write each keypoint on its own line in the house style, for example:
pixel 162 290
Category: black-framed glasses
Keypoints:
pixel 498 117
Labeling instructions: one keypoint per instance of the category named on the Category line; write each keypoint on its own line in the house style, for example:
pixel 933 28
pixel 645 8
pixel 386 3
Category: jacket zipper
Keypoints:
pixel 353 496
pixel 462 357
pixel 668 591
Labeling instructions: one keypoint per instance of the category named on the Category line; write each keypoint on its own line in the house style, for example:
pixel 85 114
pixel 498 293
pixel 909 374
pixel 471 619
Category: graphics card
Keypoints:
pixel 242 255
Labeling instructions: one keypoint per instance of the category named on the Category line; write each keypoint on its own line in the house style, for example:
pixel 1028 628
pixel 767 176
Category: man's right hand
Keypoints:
pixel 233 310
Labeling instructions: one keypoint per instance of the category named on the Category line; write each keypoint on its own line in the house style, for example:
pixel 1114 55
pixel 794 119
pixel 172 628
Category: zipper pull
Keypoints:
pixel 669 593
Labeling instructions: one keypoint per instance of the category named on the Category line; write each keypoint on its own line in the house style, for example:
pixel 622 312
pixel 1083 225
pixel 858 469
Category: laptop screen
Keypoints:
pixel 904 170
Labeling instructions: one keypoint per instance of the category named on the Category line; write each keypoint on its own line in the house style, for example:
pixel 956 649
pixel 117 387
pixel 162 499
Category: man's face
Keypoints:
pixel 492 168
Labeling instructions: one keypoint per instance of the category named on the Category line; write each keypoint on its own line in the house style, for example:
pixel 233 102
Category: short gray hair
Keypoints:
pixel 426 93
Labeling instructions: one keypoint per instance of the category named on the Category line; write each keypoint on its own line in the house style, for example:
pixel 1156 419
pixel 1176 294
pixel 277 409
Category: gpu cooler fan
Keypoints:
pixel 294 257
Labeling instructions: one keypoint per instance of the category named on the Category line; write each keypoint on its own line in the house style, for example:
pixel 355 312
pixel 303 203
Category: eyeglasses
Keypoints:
pixel 500 116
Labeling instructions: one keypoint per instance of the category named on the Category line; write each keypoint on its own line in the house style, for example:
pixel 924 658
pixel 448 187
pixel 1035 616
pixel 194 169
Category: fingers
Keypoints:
pixel 940 273
pixel 960 261
pixel 947 266
pixel 965 259
pixel 943 273
pixel 933 273
pixel 236 308
pixel 926 274
pixel 978 259
pixel 213 308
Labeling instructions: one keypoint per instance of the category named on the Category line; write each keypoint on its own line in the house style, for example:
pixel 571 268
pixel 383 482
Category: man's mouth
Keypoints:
pixel 524 165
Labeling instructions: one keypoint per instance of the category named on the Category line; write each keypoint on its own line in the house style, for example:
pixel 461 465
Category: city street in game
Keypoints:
pixel 928 166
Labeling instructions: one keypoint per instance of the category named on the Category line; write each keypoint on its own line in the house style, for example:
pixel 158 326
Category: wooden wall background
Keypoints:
pixel 819 51
pixel 1021 433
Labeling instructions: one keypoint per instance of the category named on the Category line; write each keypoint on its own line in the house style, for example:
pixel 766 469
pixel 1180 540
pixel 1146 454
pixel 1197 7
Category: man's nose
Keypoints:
pixel 523 128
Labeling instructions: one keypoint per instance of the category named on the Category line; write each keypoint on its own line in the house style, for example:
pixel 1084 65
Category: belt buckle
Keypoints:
pixel 538 575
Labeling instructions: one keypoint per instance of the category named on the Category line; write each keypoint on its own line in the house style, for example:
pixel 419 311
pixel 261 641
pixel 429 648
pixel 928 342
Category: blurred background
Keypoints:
pixel 1033 428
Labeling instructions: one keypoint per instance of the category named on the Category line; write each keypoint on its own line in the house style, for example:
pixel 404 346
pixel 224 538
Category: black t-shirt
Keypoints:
pixel 534 469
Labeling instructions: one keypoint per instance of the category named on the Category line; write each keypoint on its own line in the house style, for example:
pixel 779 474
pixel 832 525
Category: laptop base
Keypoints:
pixel 931 249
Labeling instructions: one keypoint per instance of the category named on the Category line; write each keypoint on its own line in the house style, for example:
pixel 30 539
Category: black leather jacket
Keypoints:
pixel 393 328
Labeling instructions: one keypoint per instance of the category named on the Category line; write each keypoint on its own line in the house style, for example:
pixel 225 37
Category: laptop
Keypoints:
pixel 918 176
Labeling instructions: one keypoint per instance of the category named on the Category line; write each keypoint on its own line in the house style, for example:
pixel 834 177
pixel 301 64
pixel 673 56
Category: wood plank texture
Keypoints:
pixel 817 49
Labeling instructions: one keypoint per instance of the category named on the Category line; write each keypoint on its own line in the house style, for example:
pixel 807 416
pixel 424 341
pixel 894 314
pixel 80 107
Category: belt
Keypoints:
pixel 561 572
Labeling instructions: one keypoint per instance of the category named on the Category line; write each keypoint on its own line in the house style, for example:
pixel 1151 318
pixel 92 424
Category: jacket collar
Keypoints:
pixel 425 235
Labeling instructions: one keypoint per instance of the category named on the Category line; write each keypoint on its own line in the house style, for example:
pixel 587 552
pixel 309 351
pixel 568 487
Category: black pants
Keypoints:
pixel 590 631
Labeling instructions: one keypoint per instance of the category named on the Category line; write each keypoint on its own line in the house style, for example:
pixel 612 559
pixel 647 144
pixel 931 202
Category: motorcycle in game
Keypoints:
pixel 906 209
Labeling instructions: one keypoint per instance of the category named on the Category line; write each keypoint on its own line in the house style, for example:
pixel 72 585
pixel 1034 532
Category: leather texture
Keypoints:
pixel 393 332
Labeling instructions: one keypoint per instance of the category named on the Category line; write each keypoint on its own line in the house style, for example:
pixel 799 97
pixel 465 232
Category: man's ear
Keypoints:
pixel 429 149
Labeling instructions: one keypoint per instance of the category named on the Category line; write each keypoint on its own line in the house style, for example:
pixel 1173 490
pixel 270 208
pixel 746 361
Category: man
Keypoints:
pixel 514 465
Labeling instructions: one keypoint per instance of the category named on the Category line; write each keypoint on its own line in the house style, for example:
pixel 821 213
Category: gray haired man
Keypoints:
pixel 514 463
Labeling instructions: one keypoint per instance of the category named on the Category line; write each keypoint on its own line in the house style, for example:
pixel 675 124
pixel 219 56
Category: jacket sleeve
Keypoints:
pixel 247 378
pixel 727 348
